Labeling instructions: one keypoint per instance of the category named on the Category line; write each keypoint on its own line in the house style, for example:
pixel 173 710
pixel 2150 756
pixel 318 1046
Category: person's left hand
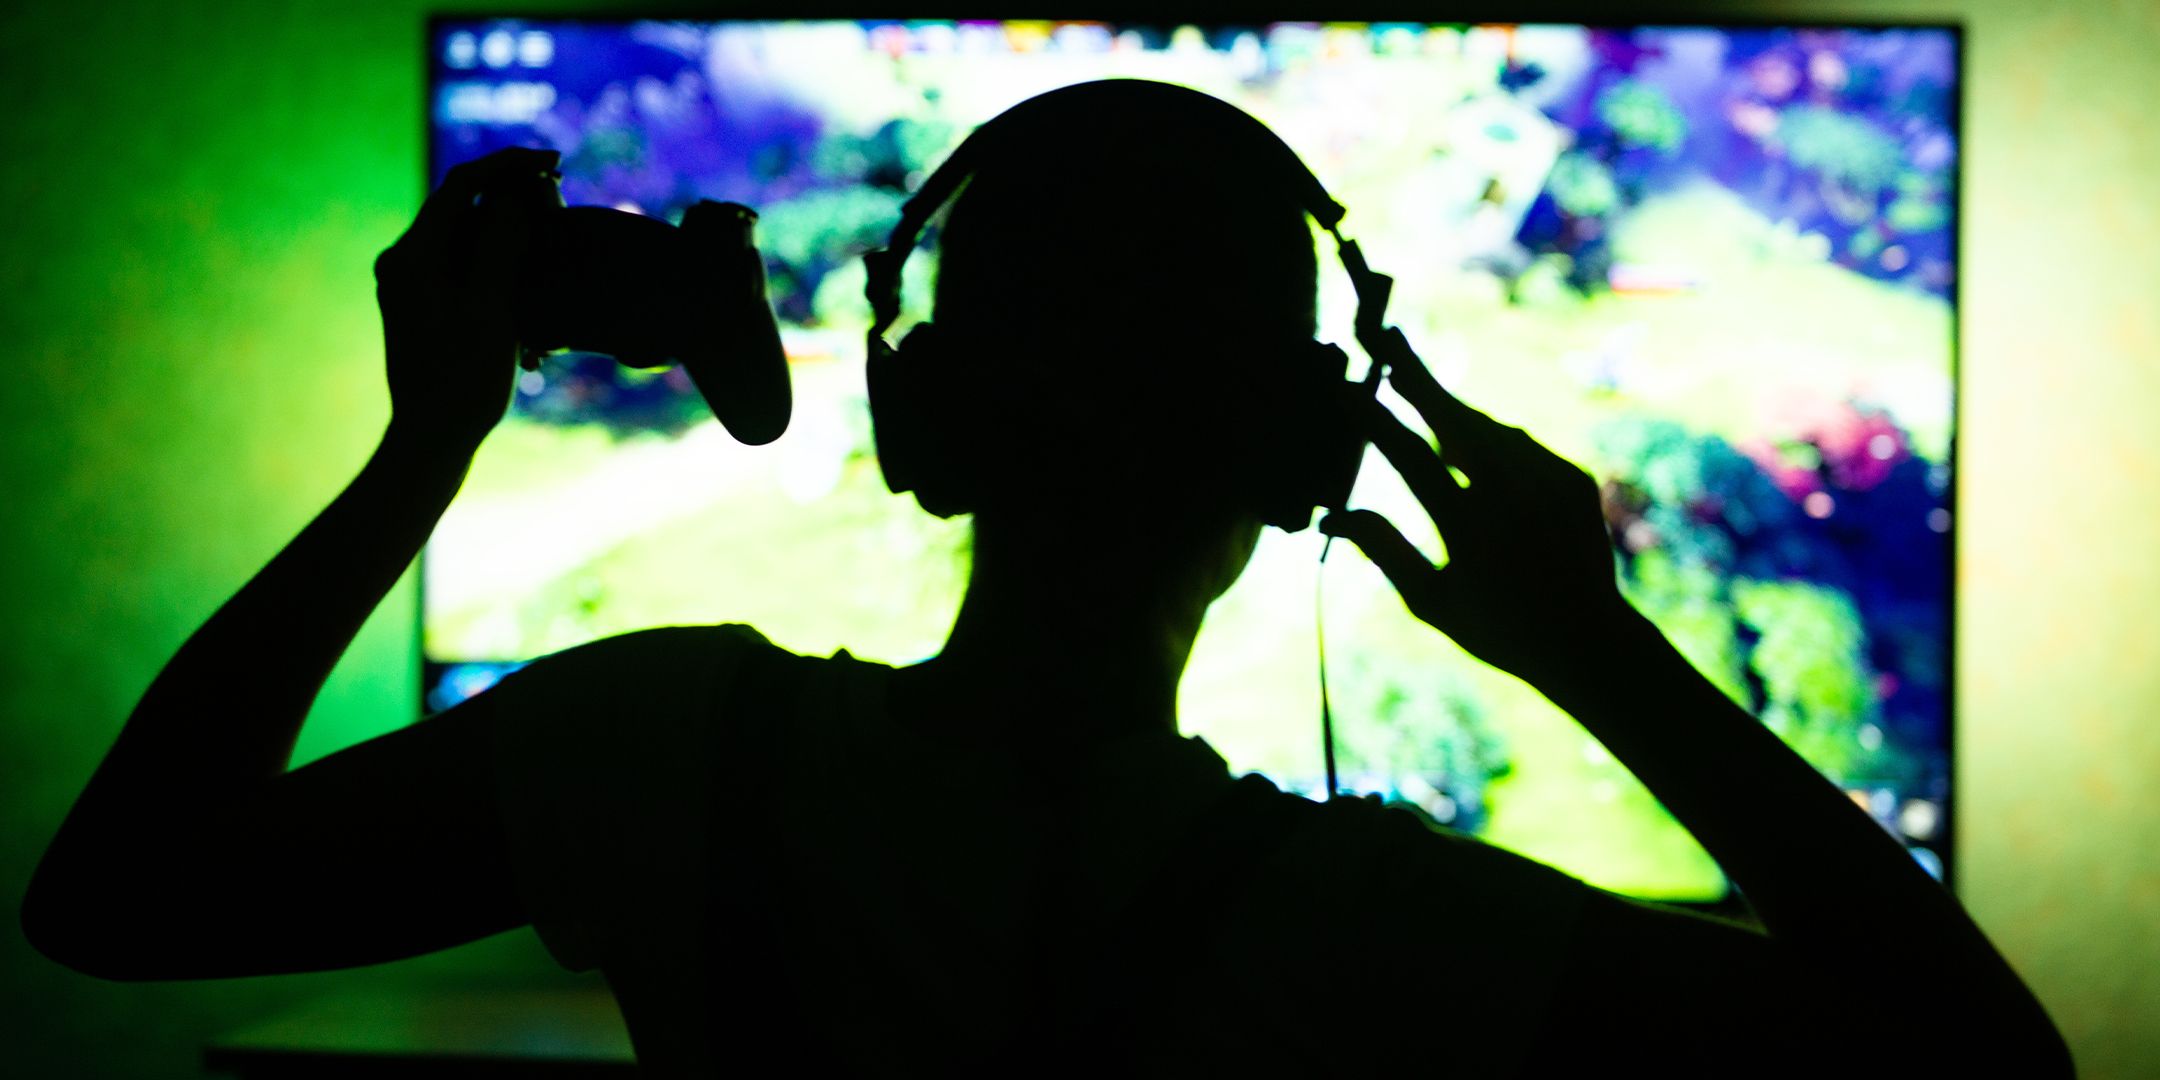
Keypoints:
pixel 1529 584
pixel 447 293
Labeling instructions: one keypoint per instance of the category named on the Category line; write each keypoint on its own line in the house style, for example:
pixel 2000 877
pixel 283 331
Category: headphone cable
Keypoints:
pixel 1327 714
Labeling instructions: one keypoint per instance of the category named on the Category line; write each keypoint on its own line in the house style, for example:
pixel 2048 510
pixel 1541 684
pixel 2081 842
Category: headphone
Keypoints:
pixel 929 395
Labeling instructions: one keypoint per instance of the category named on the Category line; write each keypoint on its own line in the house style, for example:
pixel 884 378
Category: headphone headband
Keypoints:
pixel 1061 107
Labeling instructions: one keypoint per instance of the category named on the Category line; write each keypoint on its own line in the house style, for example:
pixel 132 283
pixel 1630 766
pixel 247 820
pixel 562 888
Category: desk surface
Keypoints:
pixel 557 1033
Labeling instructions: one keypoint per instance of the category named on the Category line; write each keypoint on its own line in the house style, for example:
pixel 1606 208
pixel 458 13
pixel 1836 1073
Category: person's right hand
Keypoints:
pixel 1529 576
pixel 447 293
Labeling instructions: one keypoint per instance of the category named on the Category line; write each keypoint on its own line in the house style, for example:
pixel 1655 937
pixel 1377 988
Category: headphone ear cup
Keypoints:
pixel 914 415
pixel 895 418
pixel 1339 447
pixel 1311 458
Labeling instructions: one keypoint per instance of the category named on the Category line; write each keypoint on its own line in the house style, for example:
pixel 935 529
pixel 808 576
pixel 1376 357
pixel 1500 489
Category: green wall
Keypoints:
pixel 190 200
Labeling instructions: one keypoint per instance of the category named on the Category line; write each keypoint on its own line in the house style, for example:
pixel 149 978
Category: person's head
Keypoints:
pixel 1121 275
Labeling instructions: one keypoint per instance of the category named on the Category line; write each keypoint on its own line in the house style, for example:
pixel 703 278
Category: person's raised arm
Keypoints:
pixel 188 751
pixel 1529 587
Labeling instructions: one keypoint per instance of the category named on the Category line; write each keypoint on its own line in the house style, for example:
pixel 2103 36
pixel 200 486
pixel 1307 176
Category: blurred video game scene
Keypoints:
pixel 1715 267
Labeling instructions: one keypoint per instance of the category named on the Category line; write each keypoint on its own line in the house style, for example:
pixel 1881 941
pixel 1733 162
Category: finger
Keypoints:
pixel 1463 431
pixel 1413 457
pixel 491 275
pixel 466 180
pixel 1399 560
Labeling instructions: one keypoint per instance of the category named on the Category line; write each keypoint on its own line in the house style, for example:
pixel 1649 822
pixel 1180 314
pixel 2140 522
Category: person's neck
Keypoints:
pixel 1065 639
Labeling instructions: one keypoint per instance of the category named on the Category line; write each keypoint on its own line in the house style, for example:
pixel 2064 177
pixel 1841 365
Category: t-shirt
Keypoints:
pixel 772 871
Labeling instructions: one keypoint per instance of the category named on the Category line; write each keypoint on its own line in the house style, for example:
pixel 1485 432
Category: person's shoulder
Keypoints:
pixel 666 668
pixel 665 640
pixel 1394 848
pixel 1357 883
pixel 649 697
pixel 638 652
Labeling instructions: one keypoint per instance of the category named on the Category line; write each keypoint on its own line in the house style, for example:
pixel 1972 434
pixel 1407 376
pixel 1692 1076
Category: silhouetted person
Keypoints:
pixel 1005 858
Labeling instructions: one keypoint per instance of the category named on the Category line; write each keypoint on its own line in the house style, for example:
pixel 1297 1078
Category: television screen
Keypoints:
pixel 1716 267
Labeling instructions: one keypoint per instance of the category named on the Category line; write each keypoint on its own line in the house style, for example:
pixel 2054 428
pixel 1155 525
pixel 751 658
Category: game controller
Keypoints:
pixel 650 294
